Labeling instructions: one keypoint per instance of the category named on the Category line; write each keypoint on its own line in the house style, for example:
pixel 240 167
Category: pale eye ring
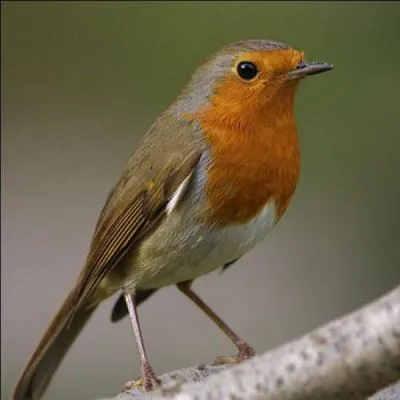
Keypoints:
pixel 247 70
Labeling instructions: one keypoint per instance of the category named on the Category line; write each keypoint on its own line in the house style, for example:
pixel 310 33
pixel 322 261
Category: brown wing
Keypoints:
pixel 161 163
pixel 130 217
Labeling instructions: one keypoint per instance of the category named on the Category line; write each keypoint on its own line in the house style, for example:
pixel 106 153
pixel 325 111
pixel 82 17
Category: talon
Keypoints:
pixel 222 360
pixel 147 381
pixel 133 384
pixel 151 384
pixel 244 354
pixel 147 384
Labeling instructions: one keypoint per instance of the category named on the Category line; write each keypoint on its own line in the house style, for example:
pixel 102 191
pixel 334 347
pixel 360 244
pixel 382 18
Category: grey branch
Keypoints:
pixel 352 357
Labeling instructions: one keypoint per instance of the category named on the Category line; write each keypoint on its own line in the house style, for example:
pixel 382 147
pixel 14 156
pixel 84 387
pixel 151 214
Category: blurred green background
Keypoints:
pixel 82 81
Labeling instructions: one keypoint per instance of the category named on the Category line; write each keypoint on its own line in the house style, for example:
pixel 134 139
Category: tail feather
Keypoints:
pixel 56 341
pixel 60 335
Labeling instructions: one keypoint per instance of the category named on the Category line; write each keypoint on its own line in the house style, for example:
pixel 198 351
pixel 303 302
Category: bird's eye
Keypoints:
pixel 301 65
pixel 247 70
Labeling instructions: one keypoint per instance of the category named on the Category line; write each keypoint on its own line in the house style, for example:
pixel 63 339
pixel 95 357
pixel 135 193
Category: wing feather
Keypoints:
pixel 129 220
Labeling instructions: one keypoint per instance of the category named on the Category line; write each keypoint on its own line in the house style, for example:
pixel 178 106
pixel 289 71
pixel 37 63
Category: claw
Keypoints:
pixel 244 354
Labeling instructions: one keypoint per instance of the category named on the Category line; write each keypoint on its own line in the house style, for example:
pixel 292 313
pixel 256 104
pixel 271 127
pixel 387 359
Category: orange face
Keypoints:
pixel 272 68
pixel 249 124
pixel 247 99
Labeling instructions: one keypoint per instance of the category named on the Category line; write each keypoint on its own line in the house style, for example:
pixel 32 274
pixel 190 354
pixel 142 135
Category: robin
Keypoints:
pixel 212 175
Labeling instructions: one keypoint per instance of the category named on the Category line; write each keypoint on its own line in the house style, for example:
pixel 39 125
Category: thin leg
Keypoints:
pixel 149 379
pixel 245 351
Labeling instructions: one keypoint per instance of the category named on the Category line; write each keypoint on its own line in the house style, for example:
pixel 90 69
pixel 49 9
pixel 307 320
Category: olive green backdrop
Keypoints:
pixel 82 81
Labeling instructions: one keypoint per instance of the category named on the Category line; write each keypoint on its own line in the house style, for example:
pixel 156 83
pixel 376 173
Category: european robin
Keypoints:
pixel 212 175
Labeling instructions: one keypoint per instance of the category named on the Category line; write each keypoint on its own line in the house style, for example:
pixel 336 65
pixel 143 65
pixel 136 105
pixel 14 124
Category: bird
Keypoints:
pixel 209 179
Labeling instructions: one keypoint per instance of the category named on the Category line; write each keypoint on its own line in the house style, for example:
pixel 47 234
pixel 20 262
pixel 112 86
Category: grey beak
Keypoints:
pixel 306 68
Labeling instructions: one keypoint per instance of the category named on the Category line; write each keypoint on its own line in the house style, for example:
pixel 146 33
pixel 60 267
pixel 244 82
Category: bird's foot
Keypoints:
pixel 245 352
pixel 148 381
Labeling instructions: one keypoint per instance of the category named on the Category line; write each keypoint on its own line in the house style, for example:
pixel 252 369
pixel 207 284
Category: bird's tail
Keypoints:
pixel 62 332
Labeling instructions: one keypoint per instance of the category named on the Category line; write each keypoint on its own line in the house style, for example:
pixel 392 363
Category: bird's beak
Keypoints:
pixel 306 68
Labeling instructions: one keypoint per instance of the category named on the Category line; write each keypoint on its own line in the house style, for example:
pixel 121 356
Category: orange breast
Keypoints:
pixel 254 160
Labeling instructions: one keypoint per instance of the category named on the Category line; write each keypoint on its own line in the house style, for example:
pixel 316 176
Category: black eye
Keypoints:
pixel 247 70
pixel 301 65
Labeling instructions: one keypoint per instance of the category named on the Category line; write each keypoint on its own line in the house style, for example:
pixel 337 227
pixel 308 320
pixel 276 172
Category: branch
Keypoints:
pixel 349 358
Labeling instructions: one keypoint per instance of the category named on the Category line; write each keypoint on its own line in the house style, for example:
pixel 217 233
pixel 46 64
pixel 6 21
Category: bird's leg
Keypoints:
pixel 148 379
pixel 245 351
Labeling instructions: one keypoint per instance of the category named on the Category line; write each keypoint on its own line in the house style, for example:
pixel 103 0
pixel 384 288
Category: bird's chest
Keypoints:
pixel 186 245
pixel 248 171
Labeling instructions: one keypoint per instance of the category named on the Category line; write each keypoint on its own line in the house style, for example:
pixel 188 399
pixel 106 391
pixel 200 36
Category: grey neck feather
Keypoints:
pixel 202 84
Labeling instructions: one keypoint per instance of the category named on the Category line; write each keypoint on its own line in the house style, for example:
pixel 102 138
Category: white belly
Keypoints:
pixel 180 249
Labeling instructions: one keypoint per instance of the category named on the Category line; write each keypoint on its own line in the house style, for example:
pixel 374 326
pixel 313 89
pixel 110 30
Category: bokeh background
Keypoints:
pixel 81 83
